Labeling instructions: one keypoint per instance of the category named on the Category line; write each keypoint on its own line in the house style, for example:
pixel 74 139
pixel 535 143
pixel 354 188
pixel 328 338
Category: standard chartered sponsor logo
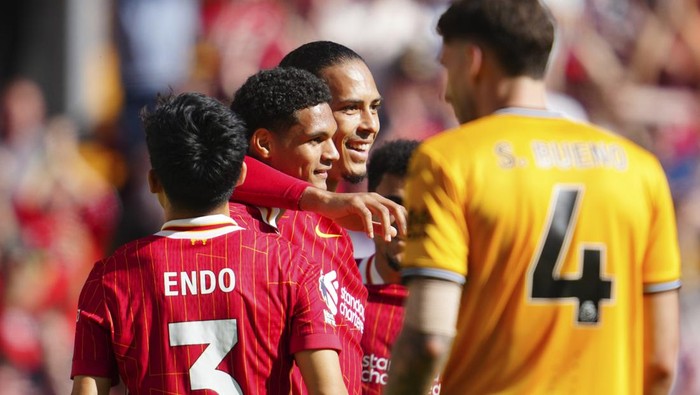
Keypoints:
pixel 352 309
pixel 375 370
pixel 348 306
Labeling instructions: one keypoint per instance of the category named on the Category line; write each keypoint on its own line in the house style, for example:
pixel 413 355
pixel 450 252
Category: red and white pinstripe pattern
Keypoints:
pixel 316 235
pixel 208 271
pixel 383 322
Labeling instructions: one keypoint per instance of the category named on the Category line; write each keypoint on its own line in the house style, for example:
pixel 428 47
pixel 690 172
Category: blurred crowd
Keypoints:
pixel 70 192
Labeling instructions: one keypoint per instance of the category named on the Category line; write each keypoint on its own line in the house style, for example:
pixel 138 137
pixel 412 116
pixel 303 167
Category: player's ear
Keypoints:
pixel 154 184
pixel 244 172
pixel 476 59
pixel 261 143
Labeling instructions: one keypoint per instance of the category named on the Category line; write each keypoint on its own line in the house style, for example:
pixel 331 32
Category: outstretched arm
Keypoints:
pixel 268 187
pixel 355 211
pixel 265 186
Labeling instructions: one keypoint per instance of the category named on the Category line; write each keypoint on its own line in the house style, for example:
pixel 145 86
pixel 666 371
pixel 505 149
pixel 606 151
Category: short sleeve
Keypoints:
pixel 92 350
pixel 310 328
pixel 437 243
pixel 661 270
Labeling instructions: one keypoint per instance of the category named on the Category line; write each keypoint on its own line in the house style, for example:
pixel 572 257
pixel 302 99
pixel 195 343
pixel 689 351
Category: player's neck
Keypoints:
pixel 522 92
pixel 171 213
pixel 389 275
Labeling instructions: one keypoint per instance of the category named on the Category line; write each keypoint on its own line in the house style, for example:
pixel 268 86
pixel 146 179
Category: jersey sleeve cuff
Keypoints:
pixel 661 287
pixel 439 274
pixel 89 368
pixel 315 342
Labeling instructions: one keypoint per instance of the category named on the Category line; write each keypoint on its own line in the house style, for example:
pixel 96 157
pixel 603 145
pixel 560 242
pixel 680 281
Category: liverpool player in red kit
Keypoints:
pixel 384 314
pixel 203 305
pixel 291 127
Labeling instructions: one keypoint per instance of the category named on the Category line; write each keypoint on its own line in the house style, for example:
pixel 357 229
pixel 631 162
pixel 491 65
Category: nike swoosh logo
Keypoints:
pixel 324 235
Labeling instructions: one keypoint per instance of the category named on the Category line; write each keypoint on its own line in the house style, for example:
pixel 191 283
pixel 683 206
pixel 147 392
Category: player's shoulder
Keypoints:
pixel 277 248
pixel 634 151
pixel 132 248
pixel 317 224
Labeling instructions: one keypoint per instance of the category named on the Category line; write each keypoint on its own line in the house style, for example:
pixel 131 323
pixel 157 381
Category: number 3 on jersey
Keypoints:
pixel 221 336
pixel 544 279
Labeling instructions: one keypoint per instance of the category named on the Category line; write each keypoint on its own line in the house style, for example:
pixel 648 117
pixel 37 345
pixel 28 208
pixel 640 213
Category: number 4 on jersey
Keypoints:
pixel 545 281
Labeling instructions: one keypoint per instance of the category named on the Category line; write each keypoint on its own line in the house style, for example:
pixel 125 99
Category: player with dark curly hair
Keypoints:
pixel 355 105
pixel 203 305
pixel 291 129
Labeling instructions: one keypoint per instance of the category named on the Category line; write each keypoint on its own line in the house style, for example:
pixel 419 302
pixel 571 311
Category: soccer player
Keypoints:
pixel 290 128
pixel 355 103
pixel 355 106
pixel 203 305
pixel 542 255
pixel 384 314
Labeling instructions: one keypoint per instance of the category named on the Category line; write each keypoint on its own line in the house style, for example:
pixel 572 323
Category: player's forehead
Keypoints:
pixel 312 120
pixel 351 80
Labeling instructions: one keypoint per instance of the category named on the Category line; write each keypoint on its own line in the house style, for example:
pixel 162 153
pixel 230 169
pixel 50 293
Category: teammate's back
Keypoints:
pixel 205 304
pixel 208 306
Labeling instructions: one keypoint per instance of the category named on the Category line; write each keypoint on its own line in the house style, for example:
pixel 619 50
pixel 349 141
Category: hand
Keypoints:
pixel 355 211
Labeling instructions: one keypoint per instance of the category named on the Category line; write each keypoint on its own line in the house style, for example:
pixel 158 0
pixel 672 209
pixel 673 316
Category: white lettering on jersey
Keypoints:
pixel 198 282
pixel 375 370
pixel 348 307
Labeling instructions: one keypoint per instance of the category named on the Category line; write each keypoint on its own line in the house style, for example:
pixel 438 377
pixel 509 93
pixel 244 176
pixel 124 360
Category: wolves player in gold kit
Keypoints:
pixel 542 255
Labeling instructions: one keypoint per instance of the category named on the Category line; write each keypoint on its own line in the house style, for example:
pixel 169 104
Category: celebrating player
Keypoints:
pixel 204 304
pixel 290 128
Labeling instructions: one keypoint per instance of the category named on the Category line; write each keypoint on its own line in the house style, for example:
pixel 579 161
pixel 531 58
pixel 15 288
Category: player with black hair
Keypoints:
pixel 291 128
pixel 204 304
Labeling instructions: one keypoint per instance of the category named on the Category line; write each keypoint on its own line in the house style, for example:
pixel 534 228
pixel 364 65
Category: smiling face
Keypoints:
pixel 355 106
pixel 306 150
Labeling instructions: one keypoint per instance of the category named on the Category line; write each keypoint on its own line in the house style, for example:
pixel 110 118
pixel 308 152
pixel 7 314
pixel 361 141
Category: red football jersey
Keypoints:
pixel 202 305
pixel 383 322
pixel 340 282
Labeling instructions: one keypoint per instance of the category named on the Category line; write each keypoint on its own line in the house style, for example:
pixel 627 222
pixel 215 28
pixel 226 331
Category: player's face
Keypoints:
pixel 306 150
pixel 391 187
pixel 459 92
pixel 355 106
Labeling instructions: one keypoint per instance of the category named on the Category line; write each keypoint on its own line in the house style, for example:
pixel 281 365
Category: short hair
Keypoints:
pixel 317 56
pixel 270 98
pixel 392 157
pixel 520 32
pixel 196 148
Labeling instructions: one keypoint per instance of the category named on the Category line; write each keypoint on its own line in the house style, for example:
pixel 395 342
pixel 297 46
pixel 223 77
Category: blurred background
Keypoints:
pixel 75 73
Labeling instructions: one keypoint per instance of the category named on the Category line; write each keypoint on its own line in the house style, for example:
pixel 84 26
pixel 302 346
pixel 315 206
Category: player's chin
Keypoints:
pixel 319 183
pixel 356 175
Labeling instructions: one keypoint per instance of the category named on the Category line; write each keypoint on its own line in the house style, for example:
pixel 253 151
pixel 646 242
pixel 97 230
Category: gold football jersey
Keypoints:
pixel 557 229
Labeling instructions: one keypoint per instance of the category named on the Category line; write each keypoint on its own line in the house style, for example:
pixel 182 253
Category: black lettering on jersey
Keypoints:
pixel 417 221
pixel 546 283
